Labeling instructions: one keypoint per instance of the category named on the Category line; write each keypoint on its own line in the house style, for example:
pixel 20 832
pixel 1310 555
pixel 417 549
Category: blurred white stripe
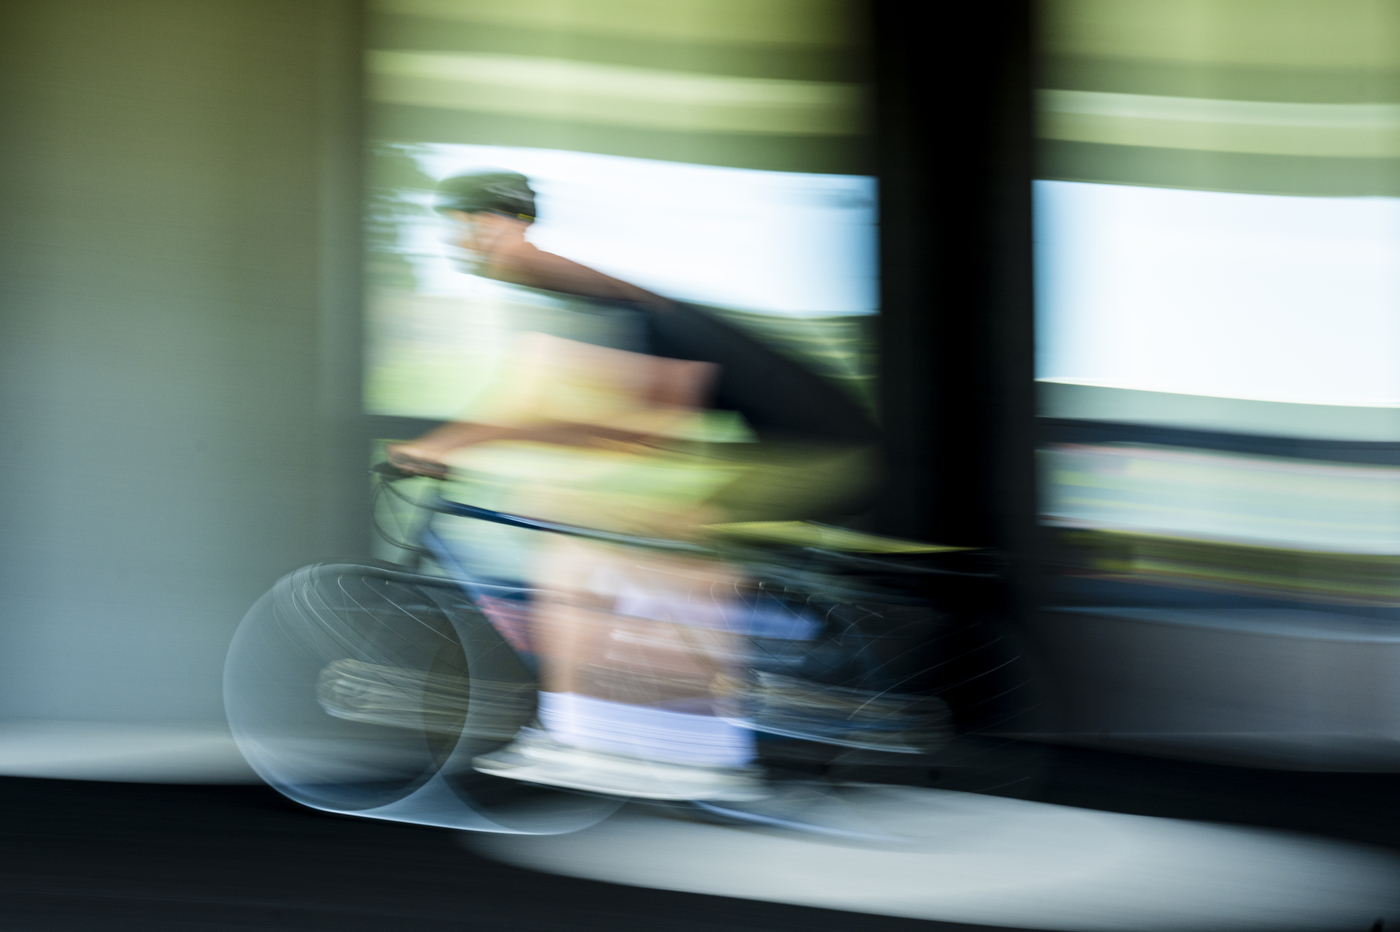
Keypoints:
pixel 555 88
pixel 1263 127
pixel 121 752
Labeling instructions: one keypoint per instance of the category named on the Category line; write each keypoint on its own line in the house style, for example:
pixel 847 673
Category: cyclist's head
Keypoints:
pixel 492 191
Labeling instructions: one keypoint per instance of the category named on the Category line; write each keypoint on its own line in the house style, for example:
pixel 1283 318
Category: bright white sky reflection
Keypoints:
pixel 775 242
pixel 1207 293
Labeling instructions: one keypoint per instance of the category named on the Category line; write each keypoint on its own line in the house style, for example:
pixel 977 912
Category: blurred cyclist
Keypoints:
pixel 636 648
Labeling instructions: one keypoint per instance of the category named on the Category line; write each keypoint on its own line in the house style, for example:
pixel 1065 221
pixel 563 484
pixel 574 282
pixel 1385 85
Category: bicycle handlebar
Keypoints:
pixel 388 471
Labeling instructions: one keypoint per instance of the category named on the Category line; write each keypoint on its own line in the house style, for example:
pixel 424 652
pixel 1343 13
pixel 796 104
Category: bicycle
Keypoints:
pixel 368 690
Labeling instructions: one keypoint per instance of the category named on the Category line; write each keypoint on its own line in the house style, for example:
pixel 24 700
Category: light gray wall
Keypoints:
pixel 178 307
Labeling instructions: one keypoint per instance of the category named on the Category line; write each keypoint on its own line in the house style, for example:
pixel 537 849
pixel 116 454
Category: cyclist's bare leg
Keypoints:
pixel 635 650
pixel 672 649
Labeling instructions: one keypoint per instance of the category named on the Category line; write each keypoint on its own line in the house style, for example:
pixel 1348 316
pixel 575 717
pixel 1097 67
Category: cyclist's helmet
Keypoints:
pixel 496 190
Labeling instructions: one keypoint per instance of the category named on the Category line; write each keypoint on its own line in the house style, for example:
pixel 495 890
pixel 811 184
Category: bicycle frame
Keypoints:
pixel 297 630
pixel 482 592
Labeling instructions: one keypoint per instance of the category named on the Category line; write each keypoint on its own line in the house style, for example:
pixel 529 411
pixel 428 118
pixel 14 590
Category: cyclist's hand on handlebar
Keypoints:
pixel 407 458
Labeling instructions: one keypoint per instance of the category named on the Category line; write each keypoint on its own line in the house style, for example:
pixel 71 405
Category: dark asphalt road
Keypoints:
pixel 109 856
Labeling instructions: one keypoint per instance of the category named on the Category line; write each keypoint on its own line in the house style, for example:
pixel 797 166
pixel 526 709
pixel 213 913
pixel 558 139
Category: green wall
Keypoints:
pixel 178 315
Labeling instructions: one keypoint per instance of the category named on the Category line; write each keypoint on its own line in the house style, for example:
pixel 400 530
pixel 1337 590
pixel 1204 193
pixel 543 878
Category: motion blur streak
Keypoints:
pixel 612 94
pixel 1218 302
pixel 995 861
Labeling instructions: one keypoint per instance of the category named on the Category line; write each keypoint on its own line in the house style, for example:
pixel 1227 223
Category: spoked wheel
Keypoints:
pixel 967 687
pixel 365 691
pixel 988 677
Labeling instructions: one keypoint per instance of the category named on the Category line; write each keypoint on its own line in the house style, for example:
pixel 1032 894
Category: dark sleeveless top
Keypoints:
pixel 778 396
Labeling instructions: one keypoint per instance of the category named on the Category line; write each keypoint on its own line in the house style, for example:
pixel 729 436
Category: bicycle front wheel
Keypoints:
pixel 365 691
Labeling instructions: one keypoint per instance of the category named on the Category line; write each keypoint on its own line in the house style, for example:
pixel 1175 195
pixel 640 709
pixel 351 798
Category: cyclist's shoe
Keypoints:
pixel 534 757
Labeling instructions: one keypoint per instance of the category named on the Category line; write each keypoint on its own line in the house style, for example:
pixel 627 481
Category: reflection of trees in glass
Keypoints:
pixel 395 199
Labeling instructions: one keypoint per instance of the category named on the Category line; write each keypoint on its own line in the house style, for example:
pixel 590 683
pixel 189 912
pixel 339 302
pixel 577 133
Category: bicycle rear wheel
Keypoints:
pixel 365 691
pixel 967 685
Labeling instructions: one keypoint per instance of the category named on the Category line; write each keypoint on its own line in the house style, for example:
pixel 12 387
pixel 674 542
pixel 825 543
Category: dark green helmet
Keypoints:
pixel 496 190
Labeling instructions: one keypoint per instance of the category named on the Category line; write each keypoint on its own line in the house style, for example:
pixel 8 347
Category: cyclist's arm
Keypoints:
pixel 523 263
pixel 426 454
pixel 665 393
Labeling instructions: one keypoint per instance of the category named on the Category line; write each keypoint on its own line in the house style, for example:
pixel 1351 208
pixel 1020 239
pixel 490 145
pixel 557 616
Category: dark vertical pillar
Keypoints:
pixel 954 156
